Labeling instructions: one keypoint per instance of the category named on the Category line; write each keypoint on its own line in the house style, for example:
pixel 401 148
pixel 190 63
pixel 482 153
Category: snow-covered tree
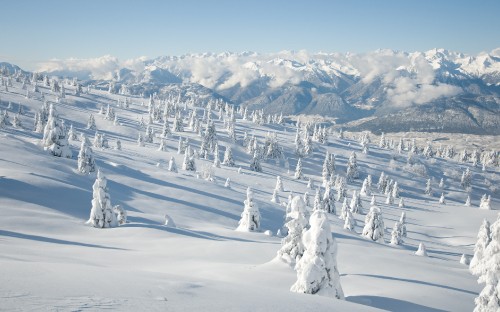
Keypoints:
pixel 292 247
pixel 216 163
pixel 317 271
pixel 374 225
pixel 352 168
pixel 172 166
pixel 355 203
pixel 189 163
pixel 382 182
pixel 402 223
pixel 227 184
pixel 101 214
pixel 250 218
pixel 401 203
pixel 343 211
pixel 54 136
pixel 91 123
pixel 178 126
pixel 86 162
pixel 489 298
pixel 373 201
pixel 365 190
pixel 318 203
pixel 476 266
pixel 485 202
pixel 442 199
pixel 397 234
pixel 468 202
pixel 121 214
pixel 228 157
pixel 298 170
pixel 422 251
pixel 428 187
pixel 279 184
pixel 329 200
pixel 466 179
pixel 255 163
pixel 275 198
pixel 349 222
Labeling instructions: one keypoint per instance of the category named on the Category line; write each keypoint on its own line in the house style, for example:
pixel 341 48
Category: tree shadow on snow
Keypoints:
pixel 52 240
pixel 391 304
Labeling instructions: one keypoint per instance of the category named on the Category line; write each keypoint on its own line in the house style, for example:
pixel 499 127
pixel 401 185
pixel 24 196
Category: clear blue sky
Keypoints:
pixel 35 31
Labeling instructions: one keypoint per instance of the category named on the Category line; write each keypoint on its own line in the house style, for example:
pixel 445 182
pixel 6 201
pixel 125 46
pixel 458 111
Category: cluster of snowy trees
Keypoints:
pixel 485 264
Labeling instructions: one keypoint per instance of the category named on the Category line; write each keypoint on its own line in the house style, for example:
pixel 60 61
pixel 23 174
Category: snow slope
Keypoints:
pixel 52 260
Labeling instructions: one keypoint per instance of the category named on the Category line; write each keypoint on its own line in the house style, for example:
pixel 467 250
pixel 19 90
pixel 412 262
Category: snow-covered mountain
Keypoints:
pixel 415 86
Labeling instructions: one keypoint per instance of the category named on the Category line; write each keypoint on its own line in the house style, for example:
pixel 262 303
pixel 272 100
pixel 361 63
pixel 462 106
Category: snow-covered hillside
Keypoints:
pixel 52 260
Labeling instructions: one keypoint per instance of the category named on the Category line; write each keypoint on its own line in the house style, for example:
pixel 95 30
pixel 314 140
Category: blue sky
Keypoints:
pixel 35 31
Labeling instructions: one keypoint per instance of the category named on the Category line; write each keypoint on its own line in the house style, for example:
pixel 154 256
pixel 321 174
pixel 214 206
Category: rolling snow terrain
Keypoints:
pixel 52 259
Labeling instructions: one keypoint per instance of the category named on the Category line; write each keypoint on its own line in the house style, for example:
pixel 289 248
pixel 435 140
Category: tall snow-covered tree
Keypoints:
pixel 374 225
pixel 476 266
pixel 54 136
pixel 298 170
pixel 352 168
pixel 101 214
pixel 250 218
pixel 292 247
pixel 317 271
pixel 489 298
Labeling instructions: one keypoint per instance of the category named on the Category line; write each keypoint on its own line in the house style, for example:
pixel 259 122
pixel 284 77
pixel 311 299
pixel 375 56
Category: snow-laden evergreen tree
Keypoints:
pixel 343 211
pixel 101 214
pixel 275 198
pixel 165 132
pixel 401 203
pixel 373 201
pixel 91 123
pixel 318 203
pixel 374 225
pixel 163 145
pixel 255 162
pixel 172 166
pixel 118 146
pixel 485 202
pixel 349 222
pixel 365 189
pixel 140 140
pixel 178 126
pixel 466 179
pixel 389 199
pixel 317 271
pixel 228 157
pixel 149 135
pixel 382 143
pixel 121 214
pixel 326 173
pixel 329 200
pixel 54 136
pixel 402 222
pixel 422 250
pixel 292 247
pixel 189 163
pixel 441 184
pixel 279 184
pixel 216 163
pixel 299 145
pixel 352 168
pixel 489 298
pixel 341 189
pixel 227 184
pixel 428 187
pixel 272 147
pixel 306 199
pixel 71 133
pixel 468 202
pixel 17 123
pixel 355 206
pixel 476 265
pixel 86 162
pixel 250 218
pixel 442 199
pixel 298 170
pixel 382 182
pixel 395 190
pixel 397 234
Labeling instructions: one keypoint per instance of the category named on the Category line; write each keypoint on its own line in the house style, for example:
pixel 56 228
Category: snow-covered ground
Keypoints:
pixel 52 260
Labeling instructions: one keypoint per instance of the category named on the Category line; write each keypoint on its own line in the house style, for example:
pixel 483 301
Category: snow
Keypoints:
pixel 52 260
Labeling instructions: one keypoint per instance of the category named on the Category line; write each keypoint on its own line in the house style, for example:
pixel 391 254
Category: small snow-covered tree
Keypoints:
pixel 466 179
pixel 374 225
pixel 468 202
pixel 318 203
pixel 279 184
pixel 401 203
pixel 343 211
pixel 355 206
pixel 349 222
pixel 172 166
pixel 101 214
pixel 298 170
pixel 255 163
pixel 292 247
pixel 442 199
pixel 402 223
pixel 317 271
pixel 91 123
pixel 365 190
pixel 397 234
pixel 352 168
pixel 227 184
pixel 189 163
pixel 422 250
pixel 485 202
pixel 275 198
pixel 428 187
pixel 329 200
pixel 163 145
pixel 121 214
pixel 250 218
pixel 86 162
pixel 476 266
pixel 228 157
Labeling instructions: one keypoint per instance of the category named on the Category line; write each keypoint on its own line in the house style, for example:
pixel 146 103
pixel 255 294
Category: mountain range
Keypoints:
pixel 381 91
